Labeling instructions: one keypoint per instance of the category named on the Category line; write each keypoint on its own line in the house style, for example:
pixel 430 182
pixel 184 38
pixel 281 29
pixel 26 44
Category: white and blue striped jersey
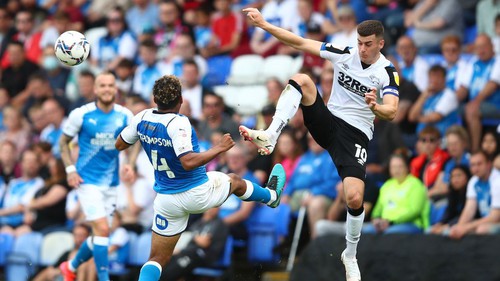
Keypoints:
pixel 166 137
pixel 97 131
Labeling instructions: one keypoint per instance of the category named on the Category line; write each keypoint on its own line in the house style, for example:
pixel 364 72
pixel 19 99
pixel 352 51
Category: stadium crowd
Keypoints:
pixel 434 169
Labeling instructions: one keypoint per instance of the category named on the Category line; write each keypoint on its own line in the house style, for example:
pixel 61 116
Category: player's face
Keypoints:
pixel 369 48
pixel 105 89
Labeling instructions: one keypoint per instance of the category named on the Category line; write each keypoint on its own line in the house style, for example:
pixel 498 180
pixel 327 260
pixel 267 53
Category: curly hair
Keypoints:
pixel 167 91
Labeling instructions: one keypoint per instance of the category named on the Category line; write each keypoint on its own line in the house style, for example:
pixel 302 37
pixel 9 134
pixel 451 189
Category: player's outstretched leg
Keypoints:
pixel 68 268
pixel 250 191
pixel 300 89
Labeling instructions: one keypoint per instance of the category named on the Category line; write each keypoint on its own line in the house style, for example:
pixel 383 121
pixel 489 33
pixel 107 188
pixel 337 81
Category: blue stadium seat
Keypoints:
pixel 6 244
pixel 218 71
pixel 265 227
pixel 140 251
pixel 470 34
pixel 23 261
pixel 222 264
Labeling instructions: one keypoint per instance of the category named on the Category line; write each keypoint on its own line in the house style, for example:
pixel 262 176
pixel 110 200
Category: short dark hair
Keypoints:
pixel 149 43
pixel 497 18
pixel 167 92
pixel 87 73
pixel 371 27
pixel 191 62
pixel 16 43
pixel 125 63
pixel 438 68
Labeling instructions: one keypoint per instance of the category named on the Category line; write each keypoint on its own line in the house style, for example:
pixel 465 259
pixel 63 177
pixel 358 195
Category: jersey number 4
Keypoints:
pixel 163 164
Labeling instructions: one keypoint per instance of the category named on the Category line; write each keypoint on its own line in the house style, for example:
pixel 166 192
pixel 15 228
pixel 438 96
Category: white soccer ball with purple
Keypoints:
pixel 72 48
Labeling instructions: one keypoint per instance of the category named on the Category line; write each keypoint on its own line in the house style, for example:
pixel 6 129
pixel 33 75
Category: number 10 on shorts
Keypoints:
pixel 360 154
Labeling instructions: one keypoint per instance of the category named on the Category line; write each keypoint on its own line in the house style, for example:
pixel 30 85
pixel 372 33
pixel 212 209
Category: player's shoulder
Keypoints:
pixel 84 109
pixel 338 49
pixel 122 109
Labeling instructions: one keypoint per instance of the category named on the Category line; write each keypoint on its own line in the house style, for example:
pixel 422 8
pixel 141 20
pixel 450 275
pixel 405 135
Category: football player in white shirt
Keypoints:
pixel 345 125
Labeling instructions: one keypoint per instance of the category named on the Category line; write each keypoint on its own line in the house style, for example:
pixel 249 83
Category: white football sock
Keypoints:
pixel 353 233
pixel 287 106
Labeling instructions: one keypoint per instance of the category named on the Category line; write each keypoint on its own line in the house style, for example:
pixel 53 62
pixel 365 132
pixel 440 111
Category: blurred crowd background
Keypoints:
pixel 431 170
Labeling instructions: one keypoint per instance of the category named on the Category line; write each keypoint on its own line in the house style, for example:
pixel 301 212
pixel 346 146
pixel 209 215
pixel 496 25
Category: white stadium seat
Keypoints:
pixel 279 66
pixel 54 245
pixel 245 70
pixel 245 100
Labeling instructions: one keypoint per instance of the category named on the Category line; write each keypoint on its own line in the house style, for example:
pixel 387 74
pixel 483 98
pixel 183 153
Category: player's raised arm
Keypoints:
pixel 385 111
pixel 285 36
pixel 192 160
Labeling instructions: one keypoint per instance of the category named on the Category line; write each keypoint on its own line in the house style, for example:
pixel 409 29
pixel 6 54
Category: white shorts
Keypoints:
pixel 172 210
pixel 97 201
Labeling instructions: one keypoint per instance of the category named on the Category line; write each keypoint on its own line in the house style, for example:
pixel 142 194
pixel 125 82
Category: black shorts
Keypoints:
pixel 346 144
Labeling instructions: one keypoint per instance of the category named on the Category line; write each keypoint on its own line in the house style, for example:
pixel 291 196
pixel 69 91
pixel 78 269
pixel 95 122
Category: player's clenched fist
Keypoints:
pixel 371 98
pixel 226 142
pixel 255 16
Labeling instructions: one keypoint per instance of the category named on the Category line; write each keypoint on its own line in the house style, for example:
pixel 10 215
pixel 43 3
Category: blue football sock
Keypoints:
pixel 150 271
pixel 101 257
pixel 258 193
pixel 83 254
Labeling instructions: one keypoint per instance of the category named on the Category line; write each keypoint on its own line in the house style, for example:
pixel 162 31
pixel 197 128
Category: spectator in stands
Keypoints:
pixel 283 14
pixel 135 202
pixel 117 44
pixel 143 16
pixel 274 88
pixel 234 212
pixel 28 35
pixel 313 183
pixel 37 91
pixel 81 232
pixel 413 67
pixel 490 144
pixel 55 116
pixel 457 143
pixel 58 25
pixel 45 212
pixel 56 74
pixel 437 105
pixel 483 194
pixel 346 35
pixel 402 206
pixel 185 49
pixel 74 10
pixel 19 193
pixel 202 30
pixel 214 118
pixel 118 239
pixel 44 152
pixel 37 121
pixel 16 129
pixel 192 90
pixel 4 101
pixel 10 167
pixel 433 20
pixel 208 242
pixel 170 28
pixel 325 83
pixel 149 70
pixel 407 97
pixel 430 162
pixel 6 30
pixel 15 76
pixel 486 12
pixel 496 37
pixel 289 152
pixel 459 177
pixel 451 47
pixel 98 10
pixel 85 89
pixel 227 30
pixel 336 216
pixel 124 79
pixel 479 88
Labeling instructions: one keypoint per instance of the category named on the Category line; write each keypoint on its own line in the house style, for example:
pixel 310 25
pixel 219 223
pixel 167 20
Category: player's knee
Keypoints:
pixel 101 229
pixel 354 199
pixel 237 183
pixel 303 80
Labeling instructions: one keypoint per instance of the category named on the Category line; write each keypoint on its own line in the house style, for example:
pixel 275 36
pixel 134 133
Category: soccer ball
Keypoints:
pixel 72 48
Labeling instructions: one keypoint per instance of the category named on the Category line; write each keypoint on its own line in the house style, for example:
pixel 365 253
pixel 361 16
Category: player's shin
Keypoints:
pixel 354 224
pixel 83 254
pixel 287 106
pixel 255 192
pixel 101 257
pixel 150 271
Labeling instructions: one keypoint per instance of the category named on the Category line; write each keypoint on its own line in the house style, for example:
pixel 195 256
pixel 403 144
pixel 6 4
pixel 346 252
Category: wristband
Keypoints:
pixel 70 169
